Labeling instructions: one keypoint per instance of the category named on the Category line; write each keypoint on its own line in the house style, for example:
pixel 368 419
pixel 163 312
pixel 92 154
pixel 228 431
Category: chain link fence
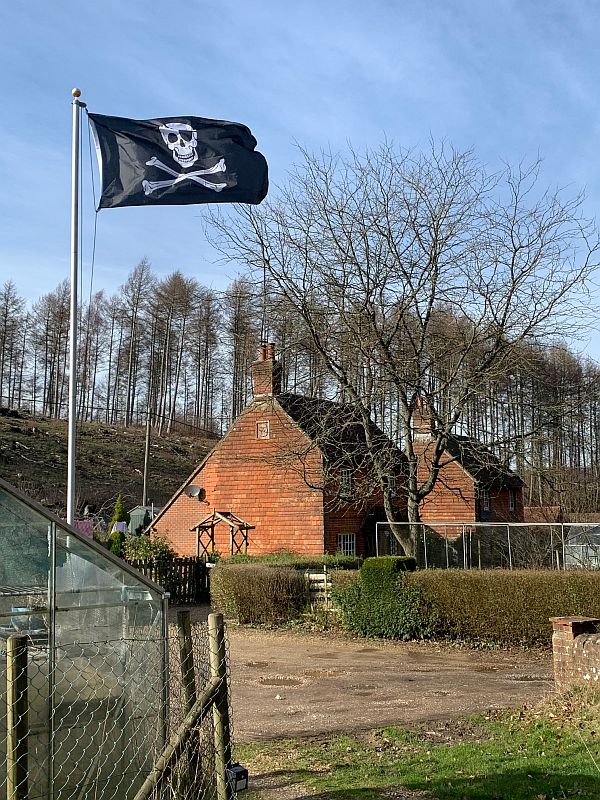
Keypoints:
pixel 117 718
pixel 490 545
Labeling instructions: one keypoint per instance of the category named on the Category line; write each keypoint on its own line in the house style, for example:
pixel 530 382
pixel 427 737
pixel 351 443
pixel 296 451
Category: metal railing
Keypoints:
pixel 488 545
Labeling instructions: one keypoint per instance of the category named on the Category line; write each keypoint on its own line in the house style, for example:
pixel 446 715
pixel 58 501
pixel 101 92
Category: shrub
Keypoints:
pixel 503 606
pixel 255 593
pixel 284 558
pixel 144 548
pixel 382 603
pixel 342 578
pixel 380 575
pixel 119 514
pixel 115 543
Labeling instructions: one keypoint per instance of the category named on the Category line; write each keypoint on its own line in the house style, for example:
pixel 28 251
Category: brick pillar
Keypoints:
pixel 567 669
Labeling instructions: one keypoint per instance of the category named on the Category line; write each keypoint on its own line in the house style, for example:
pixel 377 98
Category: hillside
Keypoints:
pixel 110 460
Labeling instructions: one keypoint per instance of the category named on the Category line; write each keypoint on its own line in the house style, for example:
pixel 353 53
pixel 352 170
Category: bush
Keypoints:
pixel 380 602
pixel 506 607
pixel 143 548
pixel 115 543
pixel 255 593
pixel 380 575
pixel 119 514
pixel 342 578
pixel 284 558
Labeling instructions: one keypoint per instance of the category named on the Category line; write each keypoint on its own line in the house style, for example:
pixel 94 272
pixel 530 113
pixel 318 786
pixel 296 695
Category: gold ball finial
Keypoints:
pixel 76 92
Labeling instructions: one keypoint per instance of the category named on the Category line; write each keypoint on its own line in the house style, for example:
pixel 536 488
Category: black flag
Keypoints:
pixel 177 160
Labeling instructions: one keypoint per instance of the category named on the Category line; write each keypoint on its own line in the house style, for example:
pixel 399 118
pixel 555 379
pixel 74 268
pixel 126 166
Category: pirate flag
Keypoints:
pixel 177 160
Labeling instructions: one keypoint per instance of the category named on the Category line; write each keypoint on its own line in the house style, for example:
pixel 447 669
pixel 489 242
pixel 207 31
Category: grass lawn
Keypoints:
pixel 549 752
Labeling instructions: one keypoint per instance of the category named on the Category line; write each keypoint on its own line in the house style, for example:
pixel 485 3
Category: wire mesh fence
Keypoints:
pixel 490 545
pixel 116 718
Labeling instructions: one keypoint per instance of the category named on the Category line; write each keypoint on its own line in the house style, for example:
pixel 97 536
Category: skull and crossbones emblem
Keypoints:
pixel 182 140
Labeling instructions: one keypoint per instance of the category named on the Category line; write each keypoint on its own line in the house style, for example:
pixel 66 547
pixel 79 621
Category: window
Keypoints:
pixel 486 503
pixel 346 483
pixel 511 499
pixel 262 430
pixel 346 544
pixel 392 545
pixel 392 485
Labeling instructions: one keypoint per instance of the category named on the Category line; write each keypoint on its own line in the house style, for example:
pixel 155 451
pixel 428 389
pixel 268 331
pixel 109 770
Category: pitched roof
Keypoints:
pixel 481 464
pixel 335 428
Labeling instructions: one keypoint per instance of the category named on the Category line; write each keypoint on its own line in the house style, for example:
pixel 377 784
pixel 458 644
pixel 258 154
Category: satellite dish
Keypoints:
pixel 195 491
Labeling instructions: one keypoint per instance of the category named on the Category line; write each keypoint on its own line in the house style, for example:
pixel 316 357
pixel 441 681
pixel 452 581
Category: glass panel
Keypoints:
pixel 109 667
pixel 104 599
pixel 102 664
pixel 24 561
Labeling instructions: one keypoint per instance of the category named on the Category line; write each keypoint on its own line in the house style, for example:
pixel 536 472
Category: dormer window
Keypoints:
pixel 346 483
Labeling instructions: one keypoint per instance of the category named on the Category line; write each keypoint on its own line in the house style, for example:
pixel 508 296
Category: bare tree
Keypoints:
pixel 241 309
pixel 136 292
pixel 11 324
pixel 418 276
pixel 204 331
pixel 50 342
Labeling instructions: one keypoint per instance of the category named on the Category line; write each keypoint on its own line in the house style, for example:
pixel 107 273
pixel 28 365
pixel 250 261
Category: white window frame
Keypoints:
pixel 392 485
pixel 345 483
pixel 346 544
pixel 486 500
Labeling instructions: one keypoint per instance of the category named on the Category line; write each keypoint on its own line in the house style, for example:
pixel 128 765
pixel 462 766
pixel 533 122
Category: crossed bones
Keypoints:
pixel 152 186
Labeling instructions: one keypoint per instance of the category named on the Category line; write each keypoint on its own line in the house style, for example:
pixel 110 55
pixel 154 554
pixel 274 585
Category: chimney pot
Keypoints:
pixel 262 352
pixel 271 351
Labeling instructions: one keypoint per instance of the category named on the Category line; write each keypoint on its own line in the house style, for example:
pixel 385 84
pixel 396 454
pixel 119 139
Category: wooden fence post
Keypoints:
pixel 186 657
pixel 222 728
pixel 188 680
pixel 17 728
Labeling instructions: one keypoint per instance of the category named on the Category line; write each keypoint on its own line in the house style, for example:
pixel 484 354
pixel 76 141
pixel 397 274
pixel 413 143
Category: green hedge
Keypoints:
pixel 500 607
pixel 388 600
pixel 256 593
pixel 503 606
pixel 284 558
pixel 380 602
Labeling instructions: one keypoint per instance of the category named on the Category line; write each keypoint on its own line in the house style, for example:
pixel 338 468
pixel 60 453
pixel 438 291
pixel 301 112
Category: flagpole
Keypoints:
pixel 72 426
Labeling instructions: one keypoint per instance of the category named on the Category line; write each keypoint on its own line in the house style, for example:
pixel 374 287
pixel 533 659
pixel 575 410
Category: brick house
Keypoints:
pixel 285 476
pixel 473 484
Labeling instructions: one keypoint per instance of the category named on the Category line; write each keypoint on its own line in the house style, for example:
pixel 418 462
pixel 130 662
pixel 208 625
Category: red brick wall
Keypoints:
pixel 576 651
pixel 347 520
pixel 454 497
pixel 259 481
pixel 500 511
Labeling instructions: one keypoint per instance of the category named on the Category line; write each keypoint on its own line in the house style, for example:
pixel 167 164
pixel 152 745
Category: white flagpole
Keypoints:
pixel 72 433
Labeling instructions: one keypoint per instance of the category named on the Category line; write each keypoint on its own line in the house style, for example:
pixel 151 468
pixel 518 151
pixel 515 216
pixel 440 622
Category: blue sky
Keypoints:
pixel 510 78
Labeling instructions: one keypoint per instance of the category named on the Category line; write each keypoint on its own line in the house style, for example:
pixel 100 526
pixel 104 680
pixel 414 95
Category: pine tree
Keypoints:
pixel 116 538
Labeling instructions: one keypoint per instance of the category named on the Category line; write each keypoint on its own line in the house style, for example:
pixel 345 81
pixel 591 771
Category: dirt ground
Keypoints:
pixel 295 683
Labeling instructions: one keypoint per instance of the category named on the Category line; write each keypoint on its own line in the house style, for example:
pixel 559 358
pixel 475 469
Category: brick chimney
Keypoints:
pixel 422 420
pixel 266 372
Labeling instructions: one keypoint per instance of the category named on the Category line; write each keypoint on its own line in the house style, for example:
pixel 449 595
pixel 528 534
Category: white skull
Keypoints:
pixel 181 139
